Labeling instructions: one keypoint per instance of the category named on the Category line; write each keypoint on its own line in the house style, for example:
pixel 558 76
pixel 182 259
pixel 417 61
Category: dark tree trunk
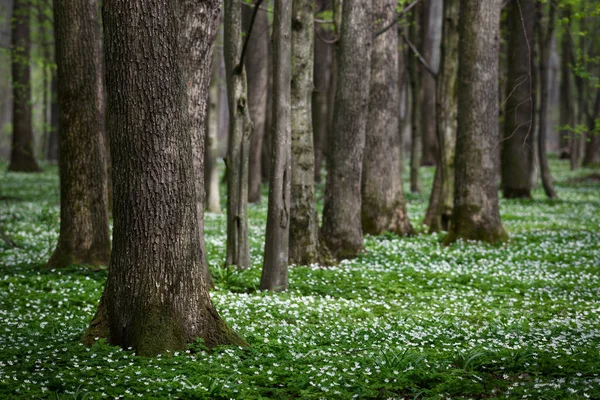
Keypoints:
pixel 592 146
pixel 441 201
pixel 156 297
pixel 84 231
pixel 52 149
pixel 567 111
pixel 545 33
pixel 383 208
pixel 22 158
pixel 517 157
pixel 240 130
pixel 304 226
pixel 222 102
pixel 342 230
pixel 211 148
pixel 476 214
pixel 257 69
pixel 431 38
pixel 275 268
pixel 322 78
pixel 416 138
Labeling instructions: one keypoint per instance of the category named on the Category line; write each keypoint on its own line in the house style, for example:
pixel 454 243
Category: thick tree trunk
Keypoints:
pixel 441 201
pixel 431 39
pixel 84 230
pixel 156 297
pixel 476 213
pixel 383 208
pixel 342 230
pixel 322 78
pixel 416 138
pixel 257 69
pixel 517 157
pixel 304 226
pixel 240 130
pixel 22 158
pixel 275 268
pixel 545 33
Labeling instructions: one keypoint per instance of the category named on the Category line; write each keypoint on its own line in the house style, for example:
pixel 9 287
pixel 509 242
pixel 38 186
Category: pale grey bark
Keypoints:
pixel 476 213
pixel 275 268
pixel 342 230
pixel 416 129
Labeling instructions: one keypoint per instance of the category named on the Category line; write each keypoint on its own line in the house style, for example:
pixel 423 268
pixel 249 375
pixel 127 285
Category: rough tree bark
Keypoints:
pixel 476 213
pixel 441 201
pixel 256 62
pixel 84 231
pixel 416 138
pixel 275 268
pixel 304 226
pixel 156 296
pixel 383 208
pixel 431 38
pixel 22 158
pixel 342 230
pixel 517 156
pixel 545 33
pixel 240 130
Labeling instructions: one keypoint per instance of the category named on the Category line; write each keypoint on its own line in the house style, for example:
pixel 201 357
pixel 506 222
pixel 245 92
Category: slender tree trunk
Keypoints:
pixel 545 33
pixel 416 139
pixel 275 268
pixel 322 78
pixel 22 158
pixel 517 157
pixel 567 112
pixel 304 226
pixel 257 70
pixel 222 101
pixel 441 201
pixel 45 69
pixel 383 208
pixel 52 149
pixel 476 213
pixel 592 147
pixel 211 148
pixel 431 38
pixel 342 230
pixel 240 130
pixel 84 231
pixel 156 297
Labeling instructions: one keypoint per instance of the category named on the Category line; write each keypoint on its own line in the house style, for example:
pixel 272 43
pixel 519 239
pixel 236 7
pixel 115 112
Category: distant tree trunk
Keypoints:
pixel 567 111
pixel 517 157
pixel 322 78
pixel 240 129
pixel 431 38
pixel 222 101
pixel 592 147
pixel 441 201
pixel 257 69
pixel 211 148
pixel 84 231
pixel 476 214
pixel 22 158
pixel 342 230
pixel 383 208
pixel 304 226
pixel 275 268
pixel 545 33
pixel 156 297
pixel 416 138
pixel 52 149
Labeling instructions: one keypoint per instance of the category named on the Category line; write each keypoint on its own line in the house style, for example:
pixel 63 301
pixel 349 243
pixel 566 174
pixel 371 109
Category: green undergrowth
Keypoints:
pixel 407 319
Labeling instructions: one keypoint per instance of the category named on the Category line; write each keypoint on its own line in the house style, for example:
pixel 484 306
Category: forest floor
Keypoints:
pixel 408 319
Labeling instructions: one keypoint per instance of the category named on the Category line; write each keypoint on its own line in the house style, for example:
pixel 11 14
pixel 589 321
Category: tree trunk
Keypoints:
pixel 156 297
pixel 567 112
pixel 592 147
pixel 322 78
pixel 476 214
pixel 416 139
pixel 383 208
pixel 240 130
pixel 211 148
pixel 431 38
pixel 275 268
pixel 342 230
pixel 52 149
pixel 441 203
pixel 304 226
pixel 222 101
pixel 517 157
pixel 257 70
pixel 545 33
pixel 84 230
pixel 22 158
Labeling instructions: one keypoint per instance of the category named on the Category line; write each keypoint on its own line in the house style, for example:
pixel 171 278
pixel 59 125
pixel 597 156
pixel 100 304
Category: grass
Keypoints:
pixel 408 319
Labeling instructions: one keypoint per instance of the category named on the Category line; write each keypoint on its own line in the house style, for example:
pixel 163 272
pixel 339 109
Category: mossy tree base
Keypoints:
pixel 63 258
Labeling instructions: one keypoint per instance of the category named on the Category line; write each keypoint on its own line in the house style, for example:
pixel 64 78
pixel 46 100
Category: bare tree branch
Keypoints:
pixel 400 14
